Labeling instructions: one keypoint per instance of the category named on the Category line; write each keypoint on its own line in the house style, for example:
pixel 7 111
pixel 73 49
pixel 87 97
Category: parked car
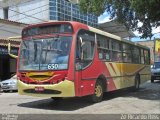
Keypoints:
pixel 155 70
pixel 10 84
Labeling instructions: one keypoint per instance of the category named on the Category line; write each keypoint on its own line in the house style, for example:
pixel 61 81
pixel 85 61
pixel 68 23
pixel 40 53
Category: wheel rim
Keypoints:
pixel 98 91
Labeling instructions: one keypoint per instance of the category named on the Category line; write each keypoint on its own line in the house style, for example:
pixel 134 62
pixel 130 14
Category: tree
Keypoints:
pixel 128 12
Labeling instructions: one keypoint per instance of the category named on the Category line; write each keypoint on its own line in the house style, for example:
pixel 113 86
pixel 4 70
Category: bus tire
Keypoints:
pixel 152 80
pixel 137 82
pixel 5 91
pixel 98 92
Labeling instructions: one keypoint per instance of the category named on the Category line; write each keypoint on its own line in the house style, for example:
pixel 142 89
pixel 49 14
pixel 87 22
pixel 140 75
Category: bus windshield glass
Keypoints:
pixel 45 54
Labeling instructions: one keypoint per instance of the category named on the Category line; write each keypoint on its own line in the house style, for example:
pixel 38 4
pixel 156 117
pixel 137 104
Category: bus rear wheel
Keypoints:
pixel 98 93
pixel 152 80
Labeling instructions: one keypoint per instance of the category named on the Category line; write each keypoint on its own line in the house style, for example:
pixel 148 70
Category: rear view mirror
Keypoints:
pixel 79 49
pixel 9 51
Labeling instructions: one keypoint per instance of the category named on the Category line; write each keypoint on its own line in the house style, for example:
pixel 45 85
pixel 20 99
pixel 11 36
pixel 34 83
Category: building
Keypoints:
pixel 7 64
pixel 63 10
pixel 10 28
pixel 35 11
pixel 7 29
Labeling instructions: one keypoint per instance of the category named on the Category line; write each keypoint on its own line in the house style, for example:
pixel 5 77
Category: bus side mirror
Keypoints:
pixel 80 48
pixel 9 51
pixel 79 54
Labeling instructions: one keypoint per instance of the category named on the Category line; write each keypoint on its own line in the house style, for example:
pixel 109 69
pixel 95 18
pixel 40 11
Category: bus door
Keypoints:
pixel 84 58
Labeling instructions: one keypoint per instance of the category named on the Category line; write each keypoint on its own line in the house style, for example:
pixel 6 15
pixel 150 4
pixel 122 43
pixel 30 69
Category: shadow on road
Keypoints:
pixel 148 92
pixel 151 91
pixel 67 104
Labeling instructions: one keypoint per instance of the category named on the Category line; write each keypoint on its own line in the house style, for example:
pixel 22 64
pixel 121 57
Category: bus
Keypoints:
pixel 70 59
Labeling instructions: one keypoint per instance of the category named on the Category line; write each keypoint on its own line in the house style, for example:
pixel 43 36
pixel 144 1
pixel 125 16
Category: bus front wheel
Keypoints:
pixel 98 92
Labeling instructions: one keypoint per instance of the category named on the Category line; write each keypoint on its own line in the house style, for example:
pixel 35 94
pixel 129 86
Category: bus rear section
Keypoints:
pixel 105 62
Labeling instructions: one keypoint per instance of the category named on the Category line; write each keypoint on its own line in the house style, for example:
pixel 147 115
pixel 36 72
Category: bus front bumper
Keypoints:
pixel 62 89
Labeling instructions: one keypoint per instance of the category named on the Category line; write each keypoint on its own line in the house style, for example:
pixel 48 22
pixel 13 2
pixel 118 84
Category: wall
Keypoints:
pixel 32 12
pixel 1 13
pixel 62 10
pixel 8 30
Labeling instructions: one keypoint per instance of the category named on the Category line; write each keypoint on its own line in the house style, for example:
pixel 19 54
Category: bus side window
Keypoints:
pixel 146 56
pixel 116 51
pixel 117 56
pixel 142 56
pixel 135 55
pixel 85 47
pixel 103 48
pixel 126 48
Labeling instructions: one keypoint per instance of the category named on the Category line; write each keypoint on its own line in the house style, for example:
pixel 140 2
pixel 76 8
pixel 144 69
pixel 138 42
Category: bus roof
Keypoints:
pixel 90 29
pixel 115 37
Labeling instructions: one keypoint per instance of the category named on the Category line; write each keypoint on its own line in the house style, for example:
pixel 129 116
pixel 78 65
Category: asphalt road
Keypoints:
pixel 144 101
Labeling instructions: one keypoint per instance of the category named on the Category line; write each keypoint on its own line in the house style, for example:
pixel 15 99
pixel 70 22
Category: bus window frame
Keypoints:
pixel 117 51
pixel 126 52
pixel 146 62
pixel 103 48
pixel 81 61
pixel 133 47
pixel 46 70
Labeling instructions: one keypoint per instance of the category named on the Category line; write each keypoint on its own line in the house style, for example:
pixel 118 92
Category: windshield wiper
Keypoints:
pixel 35 52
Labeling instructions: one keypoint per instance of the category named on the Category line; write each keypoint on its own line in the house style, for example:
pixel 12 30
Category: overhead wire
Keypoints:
pixel 27 15
pixel 30 16
pixel 30 10
pixel 9 31
pixel 27 11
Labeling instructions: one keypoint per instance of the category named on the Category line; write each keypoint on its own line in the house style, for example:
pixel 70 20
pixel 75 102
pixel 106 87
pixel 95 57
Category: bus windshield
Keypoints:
pixel 45 54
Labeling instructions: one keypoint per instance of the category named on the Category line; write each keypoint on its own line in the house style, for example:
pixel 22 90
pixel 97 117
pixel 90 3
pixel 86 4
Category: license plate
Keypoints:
pixel 5 87
pixel 39 89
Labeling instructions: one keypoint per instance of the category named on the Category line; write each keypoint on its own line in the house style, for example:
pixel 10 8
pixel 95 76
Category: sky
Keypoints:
pixel 156 31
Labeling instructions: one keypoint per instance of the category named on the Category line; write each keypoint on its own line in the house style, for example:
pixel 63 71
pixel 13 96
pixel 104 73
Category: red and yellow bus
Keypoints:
pixel 68 59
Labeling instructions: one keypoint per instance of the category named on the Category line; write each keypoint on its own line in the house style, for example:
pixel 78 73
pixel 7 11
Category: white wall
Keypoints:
pixel 8 30
pixel 34 9
pixel 1 13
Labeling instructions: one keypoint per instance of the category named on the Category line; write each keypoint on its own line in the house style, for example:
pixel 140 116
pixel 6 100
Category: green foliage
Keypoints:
pixel 128 12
